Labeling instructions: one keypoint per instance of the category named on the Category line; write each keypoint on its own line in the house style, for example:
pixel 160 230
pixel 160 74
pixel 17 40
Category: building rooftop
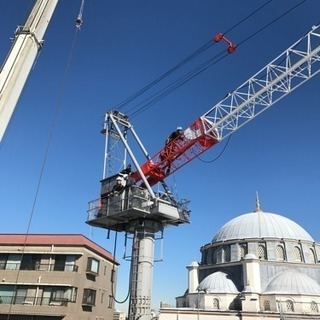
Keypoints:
pixel 57 240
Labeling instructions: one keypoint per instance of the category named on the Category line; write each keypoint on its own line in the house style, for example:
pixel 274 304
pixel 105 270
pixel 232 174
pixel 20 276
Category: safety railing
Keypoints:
pixel 132 198
pixel 32 300
pixel 38 266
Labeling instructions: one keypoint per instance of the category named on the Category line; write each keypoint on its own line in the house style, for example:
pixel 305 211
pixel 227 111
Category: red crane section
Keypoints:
pixel 196 139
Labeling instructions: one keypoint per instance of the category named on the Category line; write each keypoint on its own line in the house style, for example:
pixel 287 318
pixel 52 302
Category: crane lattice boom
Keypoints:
pixel 285 73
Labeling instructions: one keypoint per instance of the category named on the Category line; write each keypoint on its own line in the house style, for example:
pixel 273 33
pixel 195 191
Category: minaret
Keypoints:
pixel 193 280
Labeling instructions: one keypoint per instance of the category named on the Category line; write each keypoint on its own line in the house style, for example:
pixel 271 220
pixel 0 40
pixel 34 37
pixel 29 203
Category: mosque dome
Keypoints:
pixel 259 224
pixel 293 282
pixel 218 282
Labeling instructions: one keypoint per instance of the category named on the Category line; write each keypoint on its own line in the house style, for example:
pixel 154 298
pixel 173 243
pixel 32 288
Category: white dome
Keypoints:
pixel 293 282
pixel 218 282
pixel 261 224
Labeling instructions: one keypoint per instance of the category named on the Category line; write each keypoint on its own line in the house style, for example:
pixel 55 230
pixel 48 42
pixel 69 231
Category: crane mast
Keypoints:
pixel 280 77
pixel 28 41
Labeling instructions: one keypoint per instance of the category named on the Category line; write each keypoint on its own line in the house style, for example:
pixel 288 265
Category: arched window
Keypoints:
pixel 242 251
pixel 279 253
pixel 216 304
pixel 267 305
pixel 204 257
pixel 314 307
pixel 289 306
pixel 219 255
pixel 214 255
pixel 297 254
pixel 312 256
pixel 262 252
pixel 227 254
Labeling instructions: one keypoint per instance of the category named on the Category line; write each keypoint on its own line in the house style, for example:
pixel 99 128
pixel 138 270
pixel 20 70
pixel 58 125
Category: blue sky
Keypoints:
pixel 123 46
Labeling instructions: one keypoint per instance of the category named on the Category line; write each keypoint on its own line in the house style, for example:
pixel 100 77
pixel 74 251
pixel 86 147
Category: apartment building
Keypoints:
pixel 55 276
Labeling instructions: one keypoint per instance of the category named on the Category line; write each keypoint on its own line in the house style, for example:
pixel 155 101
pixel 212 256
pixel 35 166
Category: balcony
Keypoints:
pixel 38 266
pixel 29 305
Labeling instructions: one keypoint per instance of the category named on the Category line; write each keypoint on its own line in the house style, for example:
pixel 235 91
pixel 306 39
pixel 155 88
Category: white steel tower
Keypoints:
pixel 28 41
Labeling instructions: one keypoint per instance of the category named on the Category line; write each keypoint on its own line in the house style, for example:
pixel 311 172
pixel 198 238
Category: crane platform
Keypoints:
pixel 116 211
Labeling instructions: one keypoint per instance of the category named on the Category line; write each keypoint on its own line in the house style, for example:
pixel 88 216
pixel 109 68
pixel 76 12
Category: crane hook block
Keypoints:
pixel 231 46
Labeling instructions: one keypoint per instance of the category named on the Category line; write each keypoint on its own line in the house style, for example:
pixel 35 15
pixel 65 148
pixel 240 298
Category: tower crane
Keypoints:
pixel 138 210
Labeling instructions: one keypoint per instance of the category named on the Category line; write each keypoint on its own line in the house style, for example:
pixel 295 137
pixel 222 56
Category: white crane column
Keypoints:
pixel 142 268
pixel 18 63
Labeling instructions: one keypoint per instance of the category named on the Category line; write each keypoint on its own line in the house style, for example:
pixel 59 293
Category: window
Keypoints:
pixel 93 265
pixel 314 307
pixel 215 304
pixel 70 263
pixel 58 294
pixel 65 263
pixel 3 261
pixel 13 262
pixel 219 255
pixel 110 304
pixel 30 262
pixel 242 251
pixel 262 252
pixel 227 254
pixel 297 254
pixel 279 253
pixel 266 304
pixel 59 263
pixel 89 297
pixel 7 293
pixel 289 306
pixel 312 256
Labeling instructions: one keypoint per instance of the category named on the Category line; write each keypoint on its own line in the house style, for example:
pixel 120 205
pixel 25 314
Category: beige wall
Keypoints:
pixel 80 279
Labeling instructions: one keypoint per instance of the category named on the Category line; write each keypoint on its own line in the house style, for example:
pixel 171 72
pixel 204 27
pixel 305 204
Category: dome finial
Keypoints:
pixel 257 203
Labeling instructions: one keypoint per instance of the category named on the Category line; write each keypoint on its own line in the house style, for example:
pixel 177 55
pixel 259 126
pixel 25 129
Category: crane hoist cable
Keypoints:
pixel 187 59
pixel 170 88
pixel 166 74
pixel 113 273
pixel 219 155
pixel 147 103
pixel 272 22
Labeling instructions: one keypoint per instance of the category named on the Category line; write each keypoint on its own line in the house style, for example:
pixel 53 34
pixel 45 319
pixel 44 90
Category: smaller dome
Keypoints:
pixel 218 282
pixel 193 264
pixel 293 282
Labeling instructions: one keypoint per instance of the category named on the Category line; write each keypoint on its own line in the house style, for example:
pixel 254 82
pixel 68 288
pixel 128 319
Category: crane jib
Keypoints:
pixel 177 153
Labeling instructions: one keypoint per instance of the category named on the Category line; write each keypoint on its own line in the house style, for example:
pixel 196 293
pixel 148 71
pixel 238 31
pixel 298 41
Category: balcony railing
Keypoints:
pixel 32 300
pixel 38 266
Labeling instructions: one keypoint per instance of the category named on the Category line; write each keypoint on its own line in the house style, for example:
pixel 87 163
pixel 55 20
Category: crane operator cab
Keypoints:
pixel 122 201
